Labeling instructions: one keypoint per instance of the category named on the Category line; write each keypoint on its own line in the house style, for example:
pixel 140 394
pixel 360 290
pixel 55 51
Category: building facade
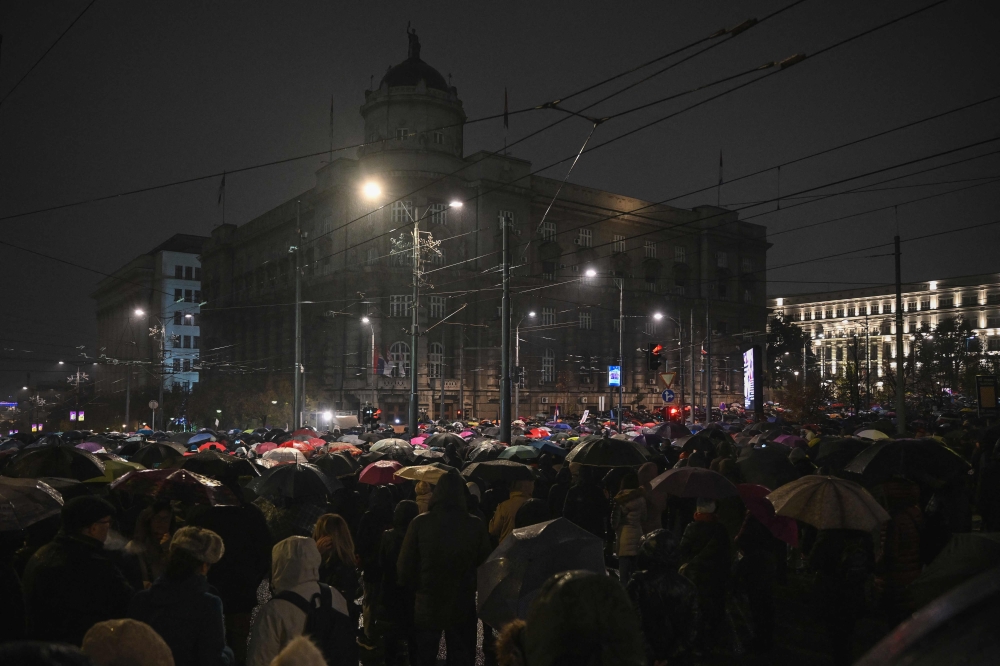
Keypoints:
pixel 358 263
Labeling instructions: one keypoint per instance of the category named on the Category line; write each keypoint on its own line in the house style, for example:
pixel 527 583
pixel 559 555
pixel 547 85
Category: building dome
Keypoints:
pixel 411 71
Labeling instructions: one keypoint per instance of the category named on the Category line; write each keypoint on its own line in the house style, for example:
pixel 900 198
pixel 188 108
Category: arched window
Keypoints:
pixel 549 366
pixel 399 356
pixel 435 360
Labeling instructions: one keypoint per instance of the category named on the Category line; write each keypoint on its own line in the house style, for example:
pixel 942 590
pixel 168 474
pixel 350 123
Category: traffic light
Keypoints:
pixel 653 357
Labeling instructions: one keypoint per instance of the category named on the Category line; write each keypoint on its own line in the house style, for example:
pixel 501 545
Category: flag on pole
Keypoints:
pixel 222 190
pixel 506 122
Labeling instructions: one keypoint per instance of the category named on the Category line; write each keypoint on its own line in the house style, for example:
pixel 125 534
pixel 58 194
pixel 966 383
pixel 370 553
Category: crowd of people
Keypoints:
pixel 386 571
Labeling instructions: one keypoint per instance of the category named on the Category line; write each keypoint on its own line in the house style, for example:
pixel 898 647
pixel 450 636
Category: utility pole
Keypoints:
pixel 461 375
pixel 414 332
pixel 805 352
pixel 128 393
pixel 163 360
pixel 505 339
pixel 621 338
pixel 900 384
pixel 708 364
pixel 296 392
pixel 691 312
pixel 517 370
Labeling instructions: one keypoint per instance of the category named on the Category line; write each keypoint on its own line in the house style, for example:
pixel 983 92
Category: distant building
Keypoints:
pixel 832 318
pixel 162 286
pixel 357 262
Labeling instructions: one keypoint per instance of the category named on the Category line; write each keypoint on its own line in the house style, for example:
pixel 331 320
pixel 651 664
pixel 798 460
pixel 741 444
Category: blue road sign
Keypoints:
pixel 668 396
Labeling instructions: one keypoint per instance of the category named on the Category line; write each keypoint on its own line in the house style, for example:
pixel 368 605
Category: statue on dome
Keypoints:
pixel 413 51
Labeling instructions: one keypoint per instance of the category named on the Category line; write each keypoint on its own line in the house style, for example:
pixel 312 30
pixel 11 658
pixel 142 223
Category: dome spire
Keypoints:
pixel 413 49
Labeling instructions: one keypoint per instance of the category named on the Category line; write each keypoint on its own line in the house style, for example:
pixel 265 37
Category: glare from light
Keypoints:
pixel 187 316
pixel 61 363
pixel 456 204
pixel 590 272
pixel 372 190
pixel 327 416
pixel 531 314
pixel 24 388
pixel 365 320
pixel 657 316
pixel 139 313
pixel 397 421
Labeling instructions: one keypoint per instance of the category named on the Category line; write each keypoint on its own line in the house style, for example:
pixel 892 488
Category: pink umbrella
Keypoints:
pixel 466 434
pixel 754 497
pixel 791 441
pixel 380 473
pixel 418 441
pixel 92 447
pixel 265 447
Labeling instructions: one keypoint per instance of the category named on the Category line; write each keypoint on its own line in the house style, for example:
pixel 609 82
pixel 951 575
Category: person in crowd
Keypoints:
pixel 295 564
pixel 153 529
pixel 438 561
pixel 666 602
pixel 180 605
pixel 756 574
pixel 396 602
pixel 705 561
pixel 338 568
pixel 800 460
pixel 69 584
pixel 546 476
pixel 627 518
pixel 473 499
pixel 375 521
pixel 423 492
pixel 502 523
pixel 300 651
pixel 497 493
pixel 532 512
pixel 558 490
pixel 586 502
pixel 899 563
pixel 578 617
pixel 654 507
pixel 126 643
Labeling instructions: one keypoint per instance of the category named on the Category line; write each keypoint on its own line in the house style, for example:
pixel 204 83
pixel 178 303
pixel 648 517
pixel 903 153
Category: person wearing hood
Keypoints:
pixel 706 559
pixel 423 492
pixel 667 602
pixel 438 561
pixel 558 490
pixel 627 518
pixel 396 602
pixel 586 503
pixel 181 607
pixel 502 523
pixel 654 507
pixel 121 642
pixel 70 584
pixel 295 563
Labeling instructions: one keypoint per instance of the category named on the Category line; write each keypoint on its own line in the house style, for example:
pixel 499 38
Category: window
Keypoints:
pixel 993 299
pixel 548 270
pixel 188 296
pixel 196 342
pixel 746 264
pixel 505 217
pixel 179 272
pixel 680 255
pixel 585 320
pixel 187 341
pixel 435 359
pixel 548 316
pixel 993 344
pixel 722 260
pixel 829 314
pixel 399 305
pixel 399 356
pixel 188 273
pixel 178 318
pixel 585 238
pixel 187 365
pixel 197 295
pixel 548 366
pixel 946 302
pixel 197 273
pixel 548 230
pixel 399 214
pixel 747 296
pixel 402 134
pixel 840 353
pixel 619 244
pixel 372 257
pixel 177 365
pixel 176 340
pixel 178 295
pixel 649 248
pixel 617 323
pixel 852 311
pixel 647 328
pixel 438 138
pixel 193 319
pixel 439 214
pixel 651 285
pixel 911 306
pixel 437 306
pixel 992 321
pixel 840 313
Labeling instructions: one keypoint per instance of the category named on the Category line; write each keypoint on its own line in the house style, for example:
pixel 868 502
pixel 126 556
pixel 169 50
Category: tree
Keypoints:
pixel 785 345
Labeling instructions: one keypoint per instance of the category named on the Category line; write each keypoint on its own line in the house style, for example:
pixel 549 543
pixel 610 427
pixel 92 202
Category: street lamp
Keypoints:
pixel 657 316
pixel 517 363
pixel 371 190
pixel 591 272
pixel 139 312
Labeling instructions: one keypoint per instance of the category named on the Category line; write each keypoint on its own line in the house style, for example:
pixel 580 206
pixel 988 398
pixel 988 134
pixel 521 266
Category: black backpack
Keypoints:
pixel 327 627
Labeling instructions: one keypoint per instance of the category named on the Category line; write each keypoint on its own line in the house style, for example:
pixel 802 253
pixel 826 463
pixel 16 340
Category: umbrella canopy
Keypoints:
pixel 212 446
pixel 509 580
pixel 396 449
pixel 63 461
pixel 159 454
pixel 967 555
pixel 545 446
pixel 304 432
pixel 431 473
pixel 201 438
pixel 264 447
pixel 92 447
pixel 605 452
pixel 347 449
pixel 869 433
pixel 835 453
pixel 491 471
pixel 380 473
pixel 219 466
pixel 483 452
pixel 767 466
pixel 790 441
pixel 755 500
pixel 829 503
pixel 298 481
pixel 114 469
pixel 922 460
pixel 427 454
pixel 441 440
pixel 24 502
pixel 337 465
pixel 692 482
pixel 520 453
pixel 285 455
pixel 176 484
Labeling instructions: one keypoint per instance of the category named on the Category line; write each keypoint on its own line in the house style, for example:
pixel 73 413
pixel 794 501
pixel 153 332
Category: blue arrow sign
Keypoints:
pixel 668 396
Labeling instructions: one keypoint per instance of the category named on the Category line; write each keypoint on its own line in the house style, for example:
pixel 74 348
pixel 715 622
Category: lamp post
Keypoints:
pixel 517 363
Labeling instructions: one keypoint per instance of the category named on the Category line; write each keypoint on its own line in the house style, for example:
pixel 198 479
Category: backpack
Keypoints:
pixel 327 627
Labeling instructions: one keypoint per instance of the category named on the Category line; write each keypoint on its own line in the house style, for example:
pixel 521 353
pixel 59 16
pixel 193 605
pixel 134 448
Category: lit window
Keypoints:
pixel 649 247
pixel 619 243
pixel 548 366
pixel 548 231
pixel 399 357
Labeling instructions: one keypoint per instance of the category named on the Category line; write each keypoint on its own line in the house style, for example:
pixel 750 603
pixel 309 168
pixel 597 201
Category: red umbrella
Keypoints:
pixel 537 433
pixel 380 473
pixel 346 448
pixel 212 446
pixel 265 447
pixel 316 441
pixel 306 432
pixel 754 497
pixel 298 446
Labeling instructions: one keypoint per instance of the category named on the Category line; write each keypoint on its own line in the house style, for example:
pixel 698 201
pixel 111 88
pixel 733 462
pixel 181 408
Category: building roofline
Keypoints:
pixel 888 289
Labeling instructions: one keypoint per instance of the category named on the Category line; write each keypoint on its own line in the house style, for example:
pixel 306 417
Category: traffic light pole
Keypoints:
pixel 708 364
pixel 505 340
pixel 621 333
pixel 296 391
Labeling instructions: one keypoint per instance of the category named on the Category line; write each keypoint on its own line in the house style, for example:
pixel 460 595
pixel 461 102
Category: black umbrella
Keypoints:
pixel 335 465
pixel 491 471
pixel 219 466
pixel 366 459
pixel 697 442
pixel 441 440
pixel 63 461
pixel 492 431
pixel 767 466
pixel 24 502
pixel 836 453
pixel 967 555
pixel 300 481
pixel 394 449
pixel 482 452
pixel 692 482
pixel 158 454
pixel 922 460
pixel 599 451
pixel 371 436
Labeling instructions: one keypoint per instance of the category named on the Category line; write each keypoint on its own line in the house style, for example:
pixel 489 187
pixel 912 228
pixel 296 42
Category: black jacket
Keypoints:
pixel 667 605
pixel 70 585
pixel 188 617
pixel 588 506
pixel 397 600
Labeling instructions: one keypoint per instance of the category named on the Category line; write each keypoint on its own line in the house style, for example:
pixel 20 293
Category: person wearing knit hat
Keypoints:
pixel 126 643
pixel 181 607
pixel 70 584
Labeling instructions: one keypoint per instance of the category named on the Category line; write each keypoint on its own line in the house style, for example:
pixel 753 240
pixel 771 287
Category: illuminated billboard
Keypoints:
pixel 749 379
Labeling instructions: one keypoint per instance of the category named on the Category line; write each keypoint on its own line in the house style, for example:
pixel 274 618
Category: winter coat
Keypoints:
pixel 423 495
pixel 654 506
pixel 705 552
pixel 901 546
pixel 188 616
pixel 70 585
pixel 294 568
pixel 667 605
pixel 557 492
pixel 247 557
pixel 587 506
pixel 629 514
pixel 503 519
pixel 396 600
pixel 12 607
pixel 843 561
pixel 439 557
pixel 345 579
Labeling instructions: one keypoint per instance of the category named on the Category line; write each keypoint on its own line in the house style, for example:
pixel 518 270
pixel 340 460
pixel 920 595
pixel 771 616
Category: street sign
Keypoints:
pixel 614 375
pixel 667 379
pixel 986 394
pixel 668 396
pixel 153 404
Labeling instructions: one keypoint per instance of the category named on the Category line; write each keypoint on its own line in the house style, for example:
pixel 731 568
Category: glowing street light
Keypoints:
pixel 456 204
pixel 590 272
pixel 327 416
pixel 365 320
pixel 139 312
pixel 371 190
pixel 658 316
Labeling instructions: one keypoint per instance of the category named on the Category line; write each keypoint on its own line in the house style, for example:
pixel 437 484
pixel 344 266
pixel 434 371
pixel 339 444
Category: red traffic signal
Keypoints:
pixel 653 357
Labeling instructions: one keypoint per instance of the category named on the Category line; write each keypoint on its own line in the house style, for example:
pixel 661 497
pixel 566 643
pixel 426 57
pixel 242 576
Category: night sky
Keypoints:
pixel 139 94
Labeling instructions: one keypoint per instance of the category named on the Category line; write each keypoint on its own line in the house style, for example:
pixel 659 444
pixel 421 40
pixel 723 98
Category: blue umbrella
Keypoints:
pixel 144 431
pixel 201 438
pixel 549 447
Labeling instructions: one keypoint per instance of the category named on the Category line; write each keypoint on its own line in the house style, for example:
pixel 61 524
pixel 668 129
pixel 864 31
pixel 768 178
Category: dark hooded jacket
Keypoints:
pixel 376 520
pixel 397 600
pixel 558 490
pixel 588 506
pixel 439 557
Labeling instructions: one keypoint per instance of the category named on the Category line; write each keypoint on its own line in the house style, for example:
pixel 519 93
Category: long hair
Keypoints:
pixel 332 525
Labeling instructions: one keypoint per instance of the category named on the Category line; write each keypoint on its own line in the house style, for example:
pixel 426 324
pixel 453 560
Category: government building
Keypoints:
pixel 357 262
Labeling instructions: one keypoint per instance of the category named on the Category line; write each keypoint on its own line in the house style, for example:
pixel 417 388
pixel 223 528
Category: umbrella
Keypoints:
pixel 548 447
pixel 264 447
pixel 302 447
pixel 351 439
pixel 923 460
pixel 692 482
pixel 63 461
pixel 114 469
pixel 755 500
pixel 219 466
pixel 348 449
pixel 336 465
pixel 605 452
pixel 304 432
pixel 24 502
pixel 826 503
pixel 431 473
pixel 212 446
pixel 158 454
pixel 790 441
pixel 509 580
pixel 869 433
pixel 521 453
pixel 380 473
pixel 201 438
pixel 396 449
pixel 834 454
pixel 483 452
pixel 767 466
pixel 967 555
pixel 299 481
pixel 92 447
pixel 427 454
pixel 491 471
pixel 443 439
pixel 418 441
pixel 285 455
pixel 176 484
